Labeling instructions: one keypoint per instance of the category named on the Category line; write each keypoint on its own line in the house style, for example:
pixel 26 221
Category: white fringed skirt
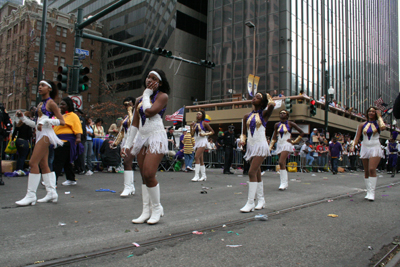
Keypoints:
pixel 257 150
pixel 155 143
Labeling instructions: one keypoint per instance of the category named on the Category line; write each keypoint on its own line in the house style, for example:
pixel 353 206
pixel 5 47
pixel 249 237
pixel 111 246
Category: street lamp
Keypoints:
pixel 252 25
pixel 331 93
pixel 10 94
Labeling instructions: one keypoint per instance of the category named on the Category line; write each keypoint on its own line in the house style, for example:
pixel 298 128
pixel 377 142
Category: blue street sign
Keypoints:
pixel 81 57
pixel 82 51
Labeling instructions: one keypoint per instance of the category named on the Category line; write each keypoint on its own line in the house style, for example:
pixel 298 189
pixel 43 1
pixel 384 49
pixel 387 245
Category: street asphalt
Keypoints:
pixel 85 221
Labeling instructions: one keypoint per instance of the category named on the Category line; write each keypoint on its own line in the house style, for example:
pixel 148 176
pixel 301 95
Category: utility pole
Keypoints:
pixel 41 49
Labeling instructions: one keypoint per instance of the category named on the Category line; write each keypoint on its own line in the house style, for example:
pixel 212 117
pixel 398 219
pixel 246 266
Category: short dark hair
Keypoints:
pixel 165 85
pixel 128 99
pixel 70 104
pixel 98 120
pixel 203 116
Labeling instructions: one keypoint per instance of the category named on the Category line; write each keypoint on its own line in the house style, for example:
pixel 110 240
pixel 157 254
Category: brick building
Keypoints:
pixel 20 31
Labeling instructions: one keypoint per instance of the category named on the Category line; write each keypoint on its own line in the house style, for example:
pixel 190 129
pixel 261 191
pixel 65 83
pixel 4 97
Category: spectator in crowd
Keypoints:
pixel 115 127
pixel 303 155
pixel 310 155
pixel 80 161
pixel 275 93
pixel 229 143
pixel 171 139
pixel 314 136
pixel 211 145
pixel 335 150
pixel 23 133
pixel 89 147
pixel 282 94
pixel 110 156
pixel 98 129
pixel 188 144
pixel 322 99
pixel 392 151
pixel 70 134
pixel 322 153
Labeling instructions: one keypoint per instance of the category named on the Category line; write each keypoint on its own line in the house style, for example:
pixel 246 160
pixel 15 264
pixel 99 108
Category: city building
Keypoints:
pixel 179 26
pixel 20 31
pixel 356 40
pixel 18 2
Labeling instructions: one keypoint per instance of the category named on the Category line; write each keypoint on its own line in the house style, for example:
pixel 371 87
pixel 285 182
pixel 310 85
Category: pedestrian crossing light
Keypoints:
pixel 83 79
pixel 62 78
pixel 313 108
pixel 162 52
pixel 207 64
pixel 288 105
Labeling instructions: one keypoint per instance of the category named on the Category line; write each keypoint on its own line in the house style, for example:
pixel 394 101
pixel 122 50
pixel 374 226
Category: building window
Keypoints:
pixel 90 68
pixel 63 47
pixel 64 34
pixel 55 74
pixel 39 25
pixel 34 88
pixel 37 41
pixel 90 83
pixel 57 46
pixel 91 54
pixel 35 74
pixel 36 58
pixel 33 103
pixel 15 29
pixel 55 61
pixel 62 61
pixel 58 31
pixel 9 33
pixel 89 97
pixel 22 25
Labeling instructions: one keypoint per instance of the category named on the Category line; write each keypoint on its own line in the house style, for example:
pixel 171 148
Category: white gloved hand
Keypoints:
pixel 131 137
pixel 48 122
pixel 146 99
pixel 28 121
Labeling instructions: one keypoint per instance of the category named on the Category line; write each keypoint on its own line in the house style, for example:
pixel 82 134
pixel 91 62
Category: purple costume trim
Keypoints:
pixel 125 124
pixel 370 132
pixel 201 127
pixel 253 122
pixel 75 150
pixel 281 132
pixel 44 110
pixel 152 100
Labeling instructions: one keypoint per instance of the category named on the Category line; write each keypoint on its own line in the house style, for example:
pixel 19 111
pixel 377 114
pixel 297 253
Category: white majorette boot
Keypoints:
pixel 250 205
pixel 50 183
pixel 129 187
pixel 372 185
pixel 196 173
pixel 146 206
pixel 367 185
pixel 260 196
pixel 30 197
pixel 284 180
pixel 157 210
pixel 203 173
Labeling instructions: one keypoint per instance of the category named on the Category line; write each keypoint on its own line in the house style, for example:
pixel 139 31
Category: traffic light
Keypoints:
pixel 162 52
pixel 207 64
pixel 288 105
pixel 83 79
pixel 62 77
pixel 313 108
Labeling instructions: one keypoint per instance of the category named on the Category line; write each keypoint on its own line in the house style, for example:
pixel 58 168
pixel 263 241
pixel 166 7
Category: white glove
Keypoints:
pixel 146 99
pixel 131 137
pixel 46 122
pixel 28 121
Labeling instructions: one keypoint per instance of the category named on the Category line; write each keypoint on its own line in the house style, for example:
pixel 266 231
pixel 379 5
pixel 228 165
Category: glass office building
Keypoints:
pixel 298 42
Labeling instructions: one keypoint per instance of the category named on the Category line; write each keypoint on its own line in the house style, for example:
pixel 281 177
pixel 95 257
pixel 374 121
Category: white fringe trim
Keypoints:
pixel 286 146
pixel 257 150
pixel 49 132
pixel 156 143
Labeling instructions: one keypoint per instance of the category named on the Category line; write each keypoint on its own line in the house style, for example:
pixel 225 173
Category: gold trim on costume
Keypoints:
pixel 258 120
pixel 270 100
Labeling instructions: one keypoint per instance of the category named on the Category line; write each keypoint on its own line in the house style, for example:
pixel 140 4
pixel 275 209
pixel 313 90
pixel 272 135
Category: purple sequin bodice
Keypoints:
pixel 199 128
pixel 43 109
pixel 152 100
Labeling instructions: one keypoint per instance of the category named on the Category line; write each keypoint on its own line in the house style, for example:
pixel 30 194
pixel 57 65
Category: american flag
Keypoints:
pixel 177 116
pixel 380 104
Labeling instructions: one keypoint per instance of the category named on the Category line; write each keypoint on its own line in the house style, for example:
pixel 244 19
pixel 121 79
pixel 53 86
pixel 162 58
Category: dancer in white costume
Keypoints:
pixel 200 131
pixel 149 140
pixel 284 146
pixel 254 125
pixel 371 151
pixel 129 186
pixel 45 136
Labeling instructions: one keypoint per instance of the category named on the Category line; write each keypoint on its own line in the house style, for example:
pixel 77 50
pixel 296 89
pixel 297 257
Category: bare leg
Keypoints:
pixel 255 168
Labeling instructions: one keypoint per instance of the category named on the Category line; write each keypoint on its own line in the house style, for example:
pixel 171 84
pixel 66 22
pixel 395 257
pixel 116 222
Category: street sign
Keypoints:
pixel 81 57
pixel 77 100
pixel 81 51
